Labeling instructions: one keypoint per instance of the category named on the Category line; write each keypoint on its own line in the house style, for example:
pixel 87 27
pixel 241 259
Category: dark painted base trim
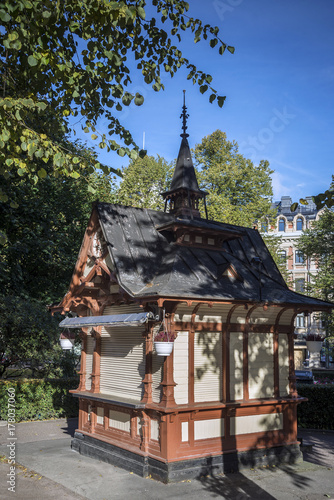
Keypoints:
pixel 184 469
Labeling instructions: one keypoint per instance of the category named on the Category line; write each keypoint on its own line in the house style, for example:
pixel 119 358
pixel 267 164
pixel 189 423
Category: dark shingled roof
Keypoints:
pixel 149 264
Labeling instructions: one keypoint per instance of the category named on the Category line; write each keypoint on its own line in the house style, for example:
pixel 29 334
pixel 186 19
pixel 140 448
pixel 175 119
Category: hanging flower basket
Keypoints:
pixel 314 345
pixel 66 340
pixel 163 343
pixel 314 342
pixel 163 348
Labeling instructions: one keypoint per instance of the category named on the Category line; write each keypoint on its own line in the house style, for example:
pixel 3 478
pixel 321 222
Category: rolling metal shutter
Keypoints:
pixel 122 362
pixel 208 366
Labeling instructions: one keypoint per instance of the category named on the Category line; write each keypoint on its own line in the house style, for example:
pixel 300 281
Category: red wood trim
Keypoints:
pixel 96 370
pixel 147 397
pixel 168 384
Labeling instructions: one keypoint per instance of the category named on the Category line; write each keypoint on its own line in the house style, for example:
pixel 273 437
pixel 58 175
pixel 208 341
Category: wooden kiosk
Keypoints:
pixel 226 396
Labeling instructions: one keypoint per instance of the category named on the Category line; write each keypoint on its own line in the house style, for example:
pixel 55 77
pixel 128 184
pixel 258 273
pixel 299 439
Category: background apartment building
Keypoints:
pixel 289 228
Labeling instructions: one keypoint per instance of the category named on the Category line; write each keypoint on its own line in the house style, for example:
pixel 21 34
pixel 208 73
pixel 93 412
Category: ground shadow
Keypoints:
pixel 71 426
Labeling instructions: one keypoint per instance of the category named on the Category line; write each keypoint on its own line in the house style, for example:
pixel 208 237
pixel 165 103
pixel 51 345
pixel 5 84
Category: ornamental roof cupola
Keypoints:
pixel 183 197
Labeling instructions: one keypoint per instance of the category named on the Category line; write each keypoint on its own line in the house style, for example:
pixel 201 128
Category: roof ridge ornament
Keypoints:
pixel 184 115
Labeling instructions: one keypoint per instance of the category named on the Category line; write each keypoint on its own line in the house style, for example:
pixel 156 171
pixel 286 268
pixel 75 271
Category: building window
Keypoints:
pixel 299 225
pixel 300 320
pixel 299 257
pixel 281 225
pixel 300 285
pixel 281 255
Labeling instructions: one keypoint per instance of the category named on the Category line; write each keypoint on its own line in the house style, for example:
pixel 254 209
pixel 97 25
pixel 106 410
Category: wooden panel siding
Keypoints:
pixel 262 316
pixel 208 366
pixel 256 423
pixel 180 353
pixel 206 429
pixel 119 420
pixel 157 374
pixel 217 313
pixel 236 366
pixel 283 360
pixel 261 365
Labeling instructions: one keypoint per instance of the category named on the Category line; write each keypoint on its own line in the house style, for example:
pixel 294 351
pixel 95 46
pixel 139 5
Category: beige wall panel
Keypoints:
pixel 283 361
pixel 256 423
pixel 180 353
pixel 155 430
pixel 286 317
pixel 99 415
pixel 184 431
pixel 208 366
pixel 206 429
pixel 183 313
pixel 239 315
pixel 264 317
pixel 236 366
pixel 261 365
pixel 215 314
pixel 119 420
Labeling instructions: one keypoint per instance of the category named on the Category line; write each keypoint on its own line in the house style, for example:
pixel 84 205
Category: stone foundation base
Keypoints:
pixel 184 469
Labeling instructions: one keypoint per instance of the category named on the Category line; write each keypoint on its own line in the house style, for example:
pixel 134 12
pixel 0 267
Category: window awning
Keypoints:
pixel 135 319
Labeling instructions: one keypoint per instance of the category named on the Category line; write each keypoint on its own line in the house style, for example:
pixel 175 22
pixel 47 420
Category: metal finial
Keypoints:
pixel 184 116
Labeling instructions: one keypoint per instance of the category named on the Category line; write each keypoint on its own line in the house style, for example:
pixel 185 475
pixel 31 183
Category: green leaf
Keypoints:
pixel 231 49
pixel 293 207
pixel 42 173
pixel 46 14
pixel 3 237
pixel 141 12
pixel 13 204
pixel 221 100
pixel 139 99
pixel 4 16
pixel 203 89
pixel 32 61
pixel 94 136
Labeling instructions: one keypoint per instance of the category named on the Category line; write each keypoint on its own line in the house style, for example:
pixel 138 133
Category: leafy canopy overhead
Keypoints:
pixel 77 58
pixel 143 181
pixel 239 191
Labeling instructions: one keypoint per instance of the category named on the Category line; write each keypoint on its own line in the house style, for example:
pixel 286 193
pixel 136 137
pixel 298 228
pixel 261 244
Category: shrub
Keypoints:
pixel 39 399
pixel 318 411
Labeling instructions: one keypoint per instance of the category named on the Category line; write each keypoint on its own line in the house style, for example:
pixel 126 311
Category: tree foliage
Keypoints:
pixel 45 232
pixel 239 191
pixel 143 181
pixel 273 244
pixel 317 244
pixel 76 59
pixel 28 333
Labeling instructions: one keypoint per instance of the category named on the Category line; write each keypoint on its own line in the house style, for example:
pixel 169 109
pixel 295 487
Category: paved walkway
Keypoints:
pixel 50 470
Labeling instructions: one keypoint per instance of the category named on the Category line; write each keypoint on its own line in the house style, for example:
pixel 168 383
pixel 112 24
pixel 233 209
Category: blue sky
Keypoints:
pixel 279 87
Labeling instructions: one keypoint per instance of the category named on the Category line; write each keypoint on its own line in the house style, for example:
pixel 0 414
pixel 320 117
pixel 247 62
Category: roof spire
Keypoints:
pixel 184 193
pixel 184 116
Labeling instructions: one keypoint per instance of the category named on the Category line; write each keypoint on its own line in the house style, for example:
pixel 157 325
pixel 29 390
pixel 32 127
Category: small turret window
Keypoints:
pixel 299 225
